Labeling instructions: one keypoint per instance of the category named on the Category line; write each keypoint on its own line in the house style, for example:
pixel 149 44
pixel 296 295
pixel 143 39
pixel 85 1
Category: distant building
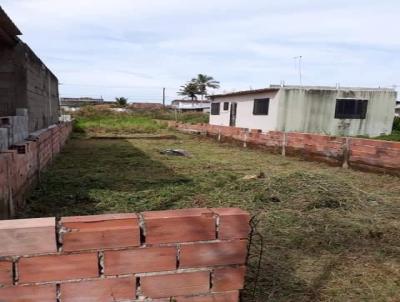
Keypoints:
pixel 25 82
pixel 74 104
pixel 143 105
pixel 397 109
pixel 326 110
pixel 191 105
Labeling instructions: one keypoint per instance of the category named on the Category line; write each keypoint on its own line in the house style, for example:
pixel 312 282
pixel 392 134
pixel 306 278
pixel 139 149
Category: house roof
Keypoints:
pixel 8 30
pixel 244 92
pixel 190 101
pixel 275 88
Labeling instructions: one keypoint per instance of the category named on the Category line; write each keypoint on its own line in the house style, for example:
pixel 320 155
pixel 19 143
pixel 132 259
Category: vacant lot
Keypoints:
pixel 329 234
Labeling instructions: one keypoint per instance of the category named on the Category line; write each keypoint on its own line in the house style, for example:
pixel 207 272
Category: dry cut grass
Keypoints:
pixel 329 234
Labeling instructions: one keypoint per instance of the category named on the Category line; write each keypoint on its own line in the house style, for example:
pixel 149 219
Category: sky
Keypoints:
pixel 134 48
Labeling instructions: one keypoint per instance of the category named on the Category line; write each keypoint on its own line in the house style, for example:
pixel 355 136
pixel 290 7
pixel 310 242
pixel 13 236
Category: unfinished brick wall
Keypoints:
pixel 366 154
pixel 21 165
pixel 190 255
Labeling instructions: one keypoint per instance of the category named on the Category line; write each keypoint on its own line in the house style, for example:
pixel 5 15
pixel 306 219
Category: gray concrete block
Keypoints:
pixel 3 139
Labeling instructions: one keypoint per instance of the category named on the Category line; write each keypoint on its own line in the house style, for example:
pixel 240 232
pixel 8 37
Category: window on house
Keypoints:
pixel 226 106
pixel 351 109
pixel 215 107
pixel 261 107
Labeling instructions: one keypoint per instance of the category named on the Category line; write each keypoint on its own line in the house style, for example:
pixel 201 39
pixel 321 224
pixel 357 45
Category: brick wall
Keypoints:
pixel 366 154
pixel 20 166
pixel 190 255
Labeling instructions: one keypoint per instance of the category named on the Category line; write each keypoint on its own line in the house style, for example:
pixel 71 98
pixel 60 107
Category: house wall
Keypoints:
pixel 313 111
pixel 126 257
pixel 245 117
pixel 13 92
pixel 42 93
pixel 25 82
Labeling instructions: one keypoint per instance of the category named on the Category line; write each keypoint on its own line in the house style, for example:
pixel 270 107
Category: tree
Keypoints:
pixel 204 82
pixel 190 89
pixel 121 101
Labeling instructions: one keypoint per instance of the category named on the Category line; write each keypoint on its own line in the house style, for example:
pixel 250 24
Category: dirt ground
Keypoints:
pixel 327 234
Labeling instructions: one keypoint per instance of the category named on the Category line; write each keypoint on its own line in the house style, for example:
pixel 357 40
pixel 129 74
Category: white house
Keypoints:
pixel 326 110
pixel 397 109
pixel 191 105
pixel 75 104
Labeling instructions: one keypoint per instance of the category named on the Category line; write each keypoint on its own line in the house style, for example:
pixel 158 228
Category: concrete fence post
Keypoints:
pixel 284 143
pixel 39 168
pixel 346 153
pixel 11 208
pixel 219 135
pixel 245 139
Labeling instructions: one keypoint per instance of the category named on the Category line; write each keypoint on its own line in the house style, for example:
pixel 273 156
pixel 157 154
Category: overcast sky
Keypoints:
pixel 133 48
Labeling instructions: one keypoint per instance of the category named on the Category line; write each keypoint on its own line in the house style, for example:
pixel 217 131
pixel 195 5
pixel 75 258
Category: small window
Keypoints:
pixel 351 109
pixel 261 107
pixel 226 106
pixel 215 107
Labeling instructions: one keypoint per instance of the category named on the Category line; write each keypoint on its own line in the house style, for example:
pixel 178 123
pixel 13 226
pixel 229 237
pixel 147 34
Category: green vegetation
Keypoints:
pixel 116 124
pixel 396 123
pixel 199 86
pixel 121 101
pixel 98 120
pixel 330 234
pixel 395 136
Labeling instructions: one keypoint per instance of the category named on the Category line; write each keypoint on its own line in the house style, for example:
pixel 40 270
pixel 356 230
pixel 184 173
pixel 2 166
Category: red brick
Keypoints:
pixel 226 279
pixel 57 268
pixel 140 260
pixel 6 273
pixel 219 297
pixel 233 223
pixel 179 226
pixel 211 254
pixel 164 286
pixel 118 289
pixel 100 232
pixel 27 236
pixel 42 293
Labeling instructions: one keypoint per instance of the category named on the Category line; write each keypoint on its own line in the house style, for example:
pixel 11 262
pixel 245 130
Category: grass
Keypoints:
pixel 330 234
pixel 99 120
pixel 117 125
pixel 395 136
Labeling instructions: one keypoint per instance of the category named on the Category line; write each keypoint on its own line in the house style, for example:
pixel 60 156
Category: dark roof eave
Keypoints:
pixel 7 24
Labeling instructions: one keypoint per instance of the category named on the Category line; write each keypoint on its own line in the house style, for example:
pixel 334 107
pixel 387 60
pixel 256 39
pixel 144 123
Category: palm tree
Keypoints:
pixel 121 101
pixel 190 89
pixel 204 82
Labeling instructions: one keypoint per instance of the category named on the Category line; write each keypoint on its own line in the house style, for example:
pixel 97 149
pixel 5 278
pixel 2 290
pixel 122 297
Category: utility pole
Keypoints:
pixel 299 59
pixel 163 97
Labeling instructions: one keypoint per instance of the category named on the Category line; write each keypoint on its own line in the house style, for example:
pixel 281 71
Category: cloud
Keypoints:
pixel 134 48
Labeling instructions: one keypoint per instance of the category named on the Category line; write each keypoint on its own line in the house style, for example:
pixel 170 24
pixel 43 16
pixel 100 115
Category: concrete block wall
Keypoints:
pixel 16 128
pixel 365 154
pixel 20 166
pixel 190 255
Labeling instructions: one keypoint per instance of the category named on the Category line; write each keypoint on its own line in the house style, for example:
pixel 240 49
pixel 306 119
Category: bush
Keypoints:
pixel 396 123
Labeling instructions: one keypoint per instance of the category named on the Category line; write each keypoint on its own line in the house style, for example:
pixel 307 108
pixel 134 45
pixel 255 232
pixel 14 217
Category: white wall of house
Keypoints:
pixel 245 117
pixel 397 110
pixel 311 110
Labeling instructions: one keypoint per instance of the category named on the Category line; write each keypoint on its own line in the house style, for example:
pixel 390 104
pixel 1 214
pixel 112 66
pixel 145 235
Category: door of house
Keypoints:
pixel 232 121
